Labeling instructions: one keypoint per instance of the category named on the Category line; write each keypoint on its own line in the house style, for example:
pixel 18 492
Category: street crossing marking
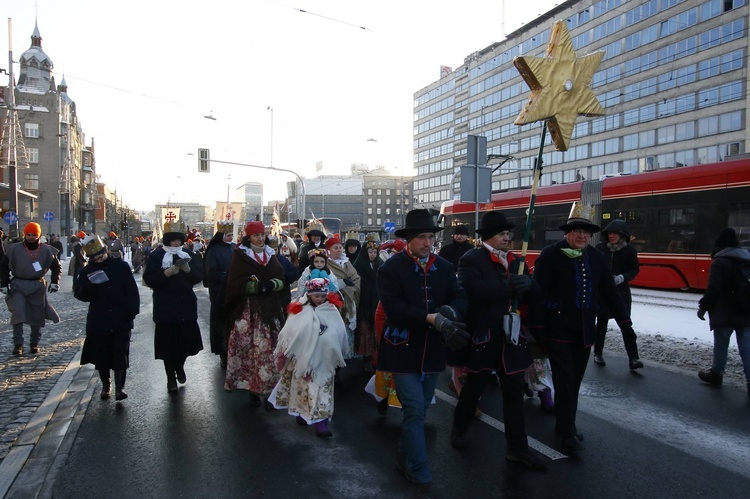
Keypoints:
pixel 498 425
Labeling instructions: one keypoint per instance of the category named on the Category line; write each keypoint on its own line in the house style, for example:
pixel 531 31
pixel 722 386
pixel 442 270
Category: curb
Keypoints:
pixel 40 452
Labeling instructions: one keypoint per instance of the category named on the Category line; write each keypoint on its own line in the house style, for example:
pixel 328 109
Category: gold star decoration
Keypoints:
pixel 559 84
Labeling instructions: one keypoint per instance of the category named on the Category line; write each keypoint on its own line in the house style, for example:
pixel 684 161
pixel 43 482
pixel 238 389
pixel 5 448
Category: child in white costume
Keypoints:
pixel 310 347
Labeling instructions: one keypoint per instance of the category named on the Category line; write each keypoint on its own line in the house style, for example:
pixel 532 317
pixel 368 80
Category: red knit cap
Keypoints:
pixel 81 234
pixel 255 228
pixel 33 228
pixel 331 241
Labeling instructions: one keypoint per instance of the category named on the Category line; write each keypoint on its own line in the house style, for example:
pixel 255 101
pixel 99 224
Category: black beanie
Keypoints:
pixel 727 239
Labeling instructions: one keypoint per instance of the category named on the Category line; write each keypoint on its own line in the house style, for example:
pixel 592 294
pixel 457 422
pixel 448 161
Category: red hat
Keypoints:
pixel 81 234
pixel 331 241
pixel 190 236
pixel 32 228
pixel 112 234
pixel 254 228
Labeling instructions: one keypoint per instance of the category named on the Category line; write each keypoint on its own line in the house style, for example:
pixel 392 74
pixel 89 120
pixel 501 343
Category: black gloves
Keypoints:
pixel 449 313
pixel 520 284
pixel 701 314
pixel 455 337
pixel 348 281
pixel 265 286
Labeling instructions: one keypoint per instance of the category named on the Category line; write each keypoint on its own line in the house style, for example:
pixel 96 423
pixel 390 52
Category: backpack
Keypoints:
pixel 739 294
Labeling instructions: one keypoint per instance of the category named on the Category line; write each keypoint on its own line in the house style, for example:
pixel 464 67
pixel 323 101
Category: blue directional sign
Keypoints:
pixel 10 217
pixel 49 216
pixel 389 227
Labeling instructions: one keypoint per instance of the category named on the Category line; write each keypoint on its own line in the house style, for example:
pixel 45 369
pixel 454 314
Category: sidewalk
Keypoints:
pixel 43 398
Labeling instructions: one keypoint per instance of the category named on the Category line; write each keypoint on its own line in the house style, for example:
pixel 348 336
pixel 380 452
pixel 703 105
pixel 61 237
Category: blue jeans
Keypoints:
pixel 722 335
pixel 415 392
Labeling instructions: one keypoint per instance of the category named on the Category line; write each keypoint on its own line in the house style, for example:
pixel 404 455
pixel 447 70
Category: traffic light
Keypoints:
pixel 204 160
pixel 124 225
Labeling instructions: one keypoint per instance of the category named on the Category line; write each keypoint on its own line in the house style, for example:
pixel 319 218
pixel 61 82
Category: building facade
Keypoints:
pixel 250 194
pixel 61 172
pixel 386 198
pixel 673 85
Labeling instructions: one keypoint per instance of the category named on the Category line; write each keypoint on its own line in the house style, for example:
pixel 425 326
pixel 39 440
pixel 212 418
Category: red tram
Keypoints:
pixel 674 216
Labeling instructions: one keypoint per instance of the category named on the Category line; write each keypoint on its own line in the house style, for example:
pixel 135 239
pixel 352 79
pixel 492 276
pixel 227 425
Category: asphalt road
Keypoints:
pixel 659 433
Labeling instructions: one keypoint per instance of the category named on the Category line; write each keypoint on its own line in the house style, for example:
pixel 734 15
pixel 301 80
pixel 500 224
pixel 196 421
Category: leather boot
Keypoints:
pixel 120 385
pixel 181 377
pixel 104 377
pixel 547 402
pixel 171 377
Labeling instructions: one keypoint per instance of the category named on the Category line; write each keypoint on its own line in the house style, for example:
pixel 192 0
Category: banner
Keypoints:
pixel 169 215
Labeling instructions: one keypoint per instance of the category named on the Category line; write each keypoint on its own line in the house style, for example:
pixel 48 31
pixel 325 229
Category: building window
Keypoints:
pixel 33 154
pixel 369 221
pixel 379 221
pixel 369 201
pixel 369 192
pixel 31 130
pixel 369 211
pixel 379 211
pixel 379 192
pixel 387 192
pixel 31 182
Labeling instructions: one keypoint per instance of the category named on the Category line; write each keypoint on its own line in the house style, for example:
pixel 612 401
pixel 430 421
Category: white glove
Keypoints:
pixel 4 290
pixel 619 279
pixel 53 288
pixel 173 270
pixel 185 267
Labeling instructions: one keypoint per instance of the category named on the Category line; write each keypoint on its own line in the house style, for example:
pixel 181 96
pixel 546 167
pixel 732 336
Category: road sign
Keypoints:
pixel 10 217
pixel 389 227
pixel 49 216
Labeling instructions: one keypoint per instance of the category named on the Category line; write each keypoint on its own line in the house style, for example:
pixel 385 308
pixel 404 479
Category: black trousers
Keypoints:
pixel 512 387
pixel 568 362
pixel 602 319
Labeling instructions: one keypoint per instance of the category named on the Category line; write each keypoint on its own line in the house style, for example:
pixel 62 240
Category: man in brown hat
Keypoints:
pixel 573 276
pixel 455 250
pixel 489 275
pixel 421 299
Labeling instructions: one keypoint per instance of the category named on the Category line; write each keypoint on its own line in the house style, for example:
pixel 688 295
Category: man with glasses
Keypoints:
pixel 573 276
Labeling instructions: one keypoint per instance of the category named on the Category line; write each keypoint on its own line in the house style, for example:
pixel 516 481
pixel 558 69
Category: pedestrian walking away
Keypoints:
pixel 26 292
pixel 413 286
pixel 216 262
pixel 489 275
pixel 171 272
pixel 727 301
pixel 623 265
pixel 573 277
pixel 107 284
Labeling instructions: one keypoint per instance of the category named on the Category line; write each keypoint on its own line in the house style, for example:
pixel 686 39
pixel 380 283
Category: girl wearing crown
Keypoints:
pixel 311 346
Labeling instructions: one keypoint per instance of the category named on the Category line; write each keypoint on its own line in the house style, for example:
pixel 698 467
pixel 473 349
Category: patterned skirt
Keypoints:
pixel 303 398
pixel 250 359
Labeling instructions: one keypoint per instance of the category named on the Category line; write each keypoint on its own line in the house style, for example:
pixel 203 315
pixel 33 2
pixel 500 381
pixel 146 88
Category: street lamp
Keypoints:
pixel 269 108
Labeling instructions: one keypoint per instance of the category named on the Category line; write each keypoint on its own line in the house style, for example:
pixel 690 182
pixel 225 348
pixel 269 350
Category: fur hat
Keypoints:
pixel 461 230
pixel 493 223
pixel 172 236
pixel 33 228
pixel 581 217
pixel 418 222
pixel 93 245
pixel 727 238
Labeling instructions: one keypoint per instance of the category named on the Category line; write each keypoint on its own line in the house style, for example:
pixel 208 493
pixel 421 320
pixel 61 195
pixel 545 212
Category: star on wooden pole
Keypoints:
pixel 559 84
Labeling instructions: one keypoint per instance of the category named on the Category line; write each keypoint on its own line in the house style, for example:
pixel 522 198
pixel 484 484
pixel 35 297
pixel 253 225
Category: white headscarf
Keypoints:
pixel 170 251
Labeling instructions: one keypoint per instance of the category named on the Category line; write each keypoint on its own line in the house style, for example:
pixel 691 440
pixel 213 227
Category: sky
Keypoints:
pixel 334 74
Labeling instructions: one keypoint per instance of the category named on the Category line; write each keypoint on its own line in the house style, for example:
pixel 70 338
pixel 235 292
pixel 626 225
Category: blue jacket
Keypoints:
pixel 408 293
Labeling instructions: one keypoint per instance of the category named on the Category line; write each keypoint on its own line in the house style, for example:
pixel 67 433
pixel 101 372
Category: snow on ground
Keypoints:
pixel 670 333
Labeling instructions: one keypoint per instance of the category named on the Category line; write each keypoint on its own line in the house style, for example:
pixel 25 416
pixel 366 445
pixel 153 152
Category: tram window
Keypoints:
pixel 676 230
pixel 739 218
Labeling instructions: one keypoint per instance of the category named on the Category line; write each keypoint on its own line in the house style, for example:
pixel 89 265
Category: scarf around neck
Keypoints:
pixel 251 252
pixel 169 252
pixel 617 246
pixel 500 254
pixel 572 252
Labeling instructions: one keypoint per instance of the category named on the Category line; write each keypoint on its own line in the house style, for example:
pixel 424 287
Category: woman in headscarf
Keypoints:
pixel 171 272
pixel 256 297
pixel 348 282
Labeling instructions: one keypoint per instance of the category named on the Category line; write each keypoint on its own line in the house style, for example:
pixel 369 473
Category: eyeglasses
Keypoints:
pixel 581 232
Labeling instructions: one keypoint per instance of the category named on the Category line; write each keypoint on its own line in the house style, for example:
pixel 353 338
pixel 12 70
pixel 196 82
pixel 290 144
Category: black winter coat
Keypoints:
pixel 216 266
pixel 623 261
pixel 454 251
pixel 174 298
pixel 408 293
pixel 571 289
pixel 720 284
pixel 486 282
pixel 113 304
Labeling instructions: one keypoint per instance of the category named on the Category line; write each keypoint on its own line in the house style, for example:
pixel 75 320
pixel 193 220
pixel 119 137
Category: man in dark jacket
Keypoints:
pixel 622 260
pixel 489 275
pixel 418 291
pixel 573 278
pixel 455 250
pixel 725 313
pixel 315 240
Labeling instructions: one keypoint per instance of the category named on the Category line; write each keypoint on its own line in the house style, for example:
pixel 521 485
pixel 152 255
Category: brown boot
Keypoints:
pixel 18 350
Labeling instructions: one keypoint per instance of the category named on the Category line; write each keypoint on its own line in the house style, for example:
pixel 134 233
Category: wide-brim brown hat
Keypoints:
pixel 581 217
pixel 418 222
pixel 493 223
